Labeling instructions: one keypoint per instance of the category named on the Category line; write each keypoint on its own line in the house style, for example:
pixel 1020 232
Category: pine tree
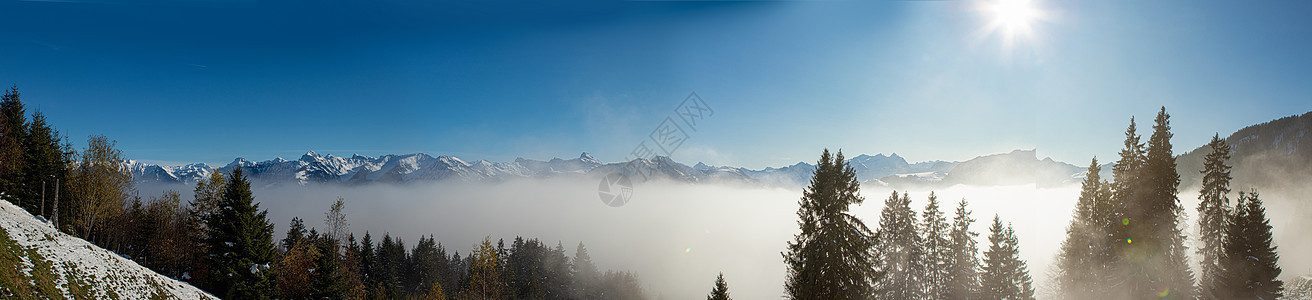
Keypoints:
pixel 1005 274
pixel 46 161
pixel 558 273
pixel 1212 215
pixel 527 269
pixel 367 269
pixel 832 257
pixel 1125 179
pixel 721 290
pixel 585 274
pixel 295 233
pixel 326 281
pixel 429 263
pixel 241 239
pixel 900 248
pixel 621 285
pixel 13 120
pixel 937 249
pixel 963 264
pixel 1250 265
pixel 1155 239
pixel 390 267
pixel 350 269
pixel 1082 264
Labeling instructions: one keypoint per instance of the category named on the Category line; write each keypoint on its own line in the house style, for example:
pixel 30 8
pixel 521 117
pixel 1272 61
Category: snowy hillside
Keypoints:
pixel 47 263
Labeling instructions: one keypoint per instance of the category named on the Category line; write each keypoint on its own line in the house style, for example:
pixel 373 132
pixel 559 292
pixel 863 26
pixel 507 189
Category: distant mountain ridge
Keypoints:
pixel 1274 152
pixel 885 170
pixel 1270 152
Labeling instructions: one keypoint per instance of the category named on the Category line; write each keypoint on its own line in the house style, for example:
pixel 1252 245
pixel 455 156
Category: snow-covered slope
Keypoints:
pixel 167 174
pixel 70 267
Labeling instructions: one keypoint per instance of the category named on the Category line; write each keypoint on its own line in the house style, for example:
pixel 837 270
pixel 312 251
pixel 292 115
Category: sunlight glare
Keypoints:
pixel 1011 18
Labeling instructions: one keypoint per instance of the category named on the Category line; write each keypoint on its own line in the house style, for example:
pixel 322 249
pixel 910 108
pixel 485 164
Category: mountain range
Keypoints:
pixel 1261 153
pixel 1016 167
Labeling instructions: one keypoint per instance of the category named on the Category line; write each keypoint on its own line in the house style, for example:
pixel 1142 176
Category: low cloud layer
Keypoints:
pixel 678 236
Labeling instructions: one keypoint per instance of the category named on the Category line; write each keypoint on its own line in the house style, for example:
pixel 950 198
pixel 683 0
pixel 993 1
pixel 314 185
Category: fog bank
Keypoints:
pixel 678 236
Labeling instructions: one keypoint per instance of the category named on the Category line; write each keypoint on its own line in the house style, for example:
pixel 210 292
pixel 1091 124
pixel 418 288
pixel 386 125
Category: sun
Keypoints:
pixel 1011 19
pixel 1013 14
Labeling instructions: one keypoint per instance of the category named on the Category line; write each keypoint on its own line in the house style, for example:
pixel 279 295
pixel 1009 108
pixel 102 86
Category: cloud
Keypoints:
pixel 676 236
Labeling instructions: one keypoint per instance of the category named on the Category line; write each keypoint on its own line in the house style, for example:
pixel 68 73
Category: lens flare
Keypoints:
pixel 1129 241
pixel 1164 292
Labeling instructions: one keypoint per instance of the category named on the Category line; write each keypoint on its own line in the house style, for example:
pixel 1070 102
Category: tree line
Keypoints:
pixel 911 255
pixel 222 241
pixel 1125 241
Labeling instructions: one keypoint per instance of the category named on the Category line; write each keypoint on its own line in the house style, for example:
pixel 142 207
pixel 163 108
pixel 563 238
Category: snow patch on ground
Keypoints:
pixel 107 275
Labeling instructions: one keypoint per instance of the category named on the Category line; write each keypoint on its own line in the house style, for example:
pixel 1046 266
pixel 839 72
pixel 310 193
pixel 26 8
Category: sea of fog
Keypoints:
pixel 678 236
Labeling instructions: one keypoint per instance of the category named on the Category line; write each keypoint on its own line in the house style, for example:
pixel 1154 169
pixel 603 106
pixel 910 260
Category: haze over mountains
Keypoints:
pixel 1266 152
pixel 1016 167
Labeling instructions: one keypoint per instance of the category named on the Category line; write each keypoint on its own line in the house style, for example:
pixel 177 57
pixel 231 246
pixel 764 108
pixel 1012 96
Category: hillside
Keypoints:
pixel 51 264
pixel 1270 153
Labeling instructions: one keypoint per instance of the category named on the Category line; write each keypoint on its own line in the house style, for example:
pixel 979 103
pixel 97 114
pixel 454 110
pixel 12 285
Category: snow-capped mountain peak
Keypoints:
pixel 313 167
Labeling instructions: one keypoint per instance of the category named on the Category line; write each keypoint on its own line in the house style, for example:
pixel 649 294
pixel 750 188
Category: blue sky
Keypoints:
pixel 207 81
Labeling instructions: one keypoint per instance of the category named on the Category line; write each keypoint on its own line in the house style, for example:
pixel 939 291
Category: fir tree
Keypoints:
pixel 1125 176
pixel 241 239
pixel 390 267
pixel 963 264
pixel 526 269
pixel 1082 265
pixel 367 259
pixel 326 281
pixel 1154 237
pixel 1005 274
pixel 557 269
pixel 831 258
pixel 585 274
pixel 621 285
pixel 1250 265
pixel 721 290
pixel 13 129
pixel 429 263
pixel 295 233
pixel 937 250
pixel 46 161
pixel 899 246
pixel 1213 212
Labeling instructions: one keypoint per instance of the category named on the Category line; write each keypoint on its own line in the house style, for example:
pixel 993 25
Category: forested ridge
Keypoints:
pixel 224 243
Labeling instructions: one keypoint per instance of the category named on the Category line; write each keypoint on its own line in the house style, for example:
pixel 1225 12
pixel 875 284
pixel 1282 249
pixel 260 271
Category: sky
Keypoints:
pixel 177 82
